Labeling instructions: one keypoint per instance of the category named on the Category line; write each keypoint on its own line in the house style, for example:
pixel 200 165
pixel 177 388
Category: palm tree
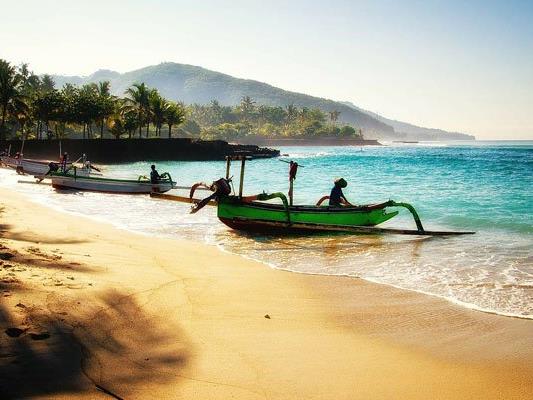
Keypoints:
pixel 20 111
pixel 49 106
pixel 130 122
pixel 215 112
pixel 247 107
pixel 174 115
pixel 303 114
pixel 116 125
pixel 47 83
pixel 87 107
pixel 334 116
pixel 158 105
pixel 106 104
pixel 291 113
pixel 10 93
pixel 138 100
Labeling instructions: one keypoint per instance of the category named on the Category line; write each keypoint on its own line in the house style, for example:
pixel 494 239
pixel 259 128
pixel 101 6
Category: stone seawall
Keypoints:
pixel 130 150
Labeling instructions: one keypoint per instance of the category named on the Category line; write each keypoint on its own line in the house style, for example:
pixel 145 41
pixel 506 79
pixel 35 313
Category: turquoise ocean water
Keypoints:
pixel 482 186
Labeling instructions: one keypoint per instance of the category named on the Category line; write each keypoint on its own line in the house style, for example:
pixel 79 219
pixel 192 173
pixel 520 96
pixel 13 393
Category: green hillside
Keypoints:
pixel 192 84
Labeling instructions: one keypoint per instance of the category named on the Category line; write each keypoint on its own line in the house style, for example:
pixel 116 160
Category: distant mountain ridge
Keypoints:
pixel 193 84
pixel 410 131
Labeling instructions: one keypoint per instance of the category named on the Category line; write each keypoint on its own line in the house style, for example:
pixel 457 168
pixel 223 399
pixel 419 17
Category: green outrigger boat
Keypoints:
pixel 254 214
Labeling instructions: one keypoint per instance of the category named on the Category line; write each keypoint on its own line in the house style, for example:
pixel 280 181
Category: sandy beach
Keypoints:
pixel 89 311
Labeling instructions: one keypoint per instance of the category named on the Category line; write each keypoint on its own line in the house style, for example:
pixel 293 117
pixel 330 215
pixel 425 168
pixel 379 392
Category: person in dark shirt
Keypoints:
pixel 154 175
pixel 63 162
pixel 336 197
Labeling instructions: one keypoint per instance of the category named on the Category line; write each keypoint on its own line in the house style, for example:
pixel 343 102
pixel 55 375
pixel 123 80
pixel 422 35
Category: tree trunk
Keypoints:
pixel 4 116
pixel 102 129
pixel 83 131
pixel 147 129
pixel 169 131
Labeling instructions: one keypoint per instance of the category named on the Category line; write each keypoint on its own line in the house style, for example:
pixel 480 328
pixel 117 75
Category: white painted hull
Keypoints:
pixel 37 167
pixel 108 185
pixel 27 166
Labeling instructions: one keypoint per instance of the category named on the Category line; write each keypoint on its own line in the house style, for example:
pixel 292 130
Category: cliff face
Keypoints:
pixel 111 151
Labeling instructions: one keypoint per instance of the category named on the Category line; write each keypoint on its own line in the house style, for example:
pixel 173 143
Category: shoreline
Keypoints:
pixel 451 300
pixel 178 307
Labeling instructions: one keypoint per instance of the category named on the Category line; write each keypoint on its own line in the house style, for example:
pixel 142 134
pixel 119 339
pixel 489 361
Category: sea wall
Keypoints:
pixel 130 150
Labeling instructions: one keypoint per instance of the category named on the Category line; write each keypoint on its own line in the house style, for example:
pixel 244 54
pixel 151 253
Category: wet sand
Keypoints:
pixel 90 311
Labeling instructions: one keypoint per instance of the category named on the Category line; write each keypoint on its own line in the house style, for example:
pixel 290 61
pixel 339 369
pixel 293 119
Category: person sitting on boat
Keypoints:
pixel 63 162
pixel 336 197
pixel 85 163
pixel 52 167
pixel 154 175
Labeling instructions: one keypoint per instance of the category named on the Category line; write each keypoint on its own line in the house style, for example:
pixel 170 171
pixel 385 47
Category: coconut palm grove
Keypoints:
pixel 32 107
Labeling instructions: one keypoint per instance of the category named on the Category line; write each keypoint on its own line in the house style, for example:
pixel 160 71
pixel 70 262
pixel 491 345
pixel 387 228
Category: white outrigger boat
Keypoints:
pixel 28 166
pixel 142 185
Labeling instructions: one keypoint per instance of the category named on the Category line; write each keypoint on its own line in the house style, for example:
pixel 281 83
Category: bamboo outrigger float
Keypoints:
pixel 254 214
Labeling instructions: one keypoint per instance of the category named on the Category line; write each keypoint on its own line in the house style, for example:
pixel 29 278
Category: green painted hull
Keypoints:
pixel 258 216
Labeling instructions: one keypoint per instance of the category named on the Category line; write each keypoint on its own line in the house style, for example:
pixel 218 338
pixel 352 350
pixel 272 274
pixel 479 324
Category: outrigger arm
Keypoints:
pixel 413 212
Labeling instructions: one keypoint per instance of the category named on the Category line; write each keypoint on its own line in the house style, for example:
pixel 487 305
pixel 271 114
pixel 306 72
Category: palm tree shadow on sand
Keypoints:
pixel 111 350
pixel 72 341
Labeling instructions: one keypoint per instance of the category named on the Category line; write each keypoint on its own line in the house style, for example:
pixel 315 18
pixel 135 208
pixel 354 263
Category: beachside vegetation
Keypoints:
pixel 32 107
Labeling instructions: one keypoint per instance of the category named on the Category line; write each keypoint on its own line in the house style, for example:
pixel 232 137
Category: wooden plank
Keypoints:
pixel 355 229
pixel 36 183
pixel 189 188
pixel 181 199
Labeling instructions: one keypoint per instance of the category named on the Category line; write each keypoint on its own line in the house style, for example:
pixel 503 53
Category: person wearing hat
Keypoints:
pixel 336 197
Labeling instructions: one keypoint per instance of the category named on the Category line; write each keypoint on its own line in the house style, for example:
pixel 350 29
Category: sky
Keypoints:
pixel 464 66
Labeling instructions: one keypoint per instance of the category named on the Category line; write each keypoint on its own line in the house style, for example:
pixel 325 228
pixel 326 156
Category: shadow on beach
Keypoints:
pixel 55 340
pixel 112 350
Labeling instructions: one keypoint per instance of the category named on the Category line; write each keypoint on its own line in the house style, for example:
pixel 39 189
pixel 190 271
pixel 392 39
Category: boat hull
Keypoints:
pixel 28 166
pixel 105 185
pixel 273 218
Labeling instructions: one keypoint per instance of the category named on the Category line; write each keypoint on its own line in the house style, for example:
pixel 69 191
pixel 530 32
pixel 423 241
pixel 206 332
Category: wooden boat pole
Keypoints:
pixel 22 146
pixel 241 183
pixel 291 187
pixel 293 167
pixel 228 166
